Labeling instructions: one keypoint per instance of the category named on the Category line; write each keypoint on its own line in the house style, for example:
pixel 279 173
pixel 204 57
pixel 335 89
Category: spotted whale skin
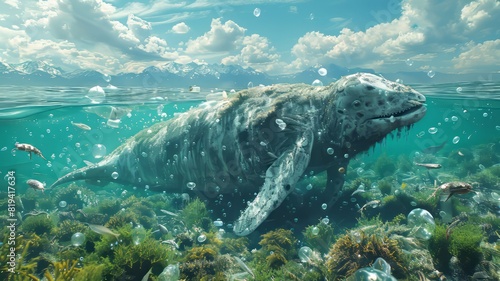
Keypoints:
pixel 262 140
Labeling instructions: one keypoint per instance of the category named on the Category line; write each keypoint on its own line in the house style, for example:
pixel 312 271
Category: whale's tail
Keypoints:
pixel 94 174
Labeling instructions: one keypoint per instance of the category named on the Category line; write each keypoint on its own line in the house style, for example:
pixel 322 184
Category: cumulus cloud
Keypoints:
pixel 180 28
pixel 81 34
pixel 256 53
pixel 424 29
pixel 221 38
pixel 482 57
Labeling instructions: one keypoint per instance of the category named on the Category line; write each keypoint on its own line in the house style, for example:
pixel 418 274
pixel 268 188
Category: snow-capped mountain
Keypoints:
pixel 173 75
pixel 30 67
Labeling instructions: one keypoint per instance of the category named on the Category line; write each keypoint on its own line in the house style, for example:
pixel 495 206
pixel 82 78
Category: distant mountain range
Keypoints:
pixel 174 75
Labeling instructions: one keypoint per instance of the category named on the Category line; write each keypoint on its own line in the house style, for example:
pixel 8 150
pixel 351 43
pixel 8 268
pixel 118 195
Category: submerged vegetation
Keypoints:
pixel 189 245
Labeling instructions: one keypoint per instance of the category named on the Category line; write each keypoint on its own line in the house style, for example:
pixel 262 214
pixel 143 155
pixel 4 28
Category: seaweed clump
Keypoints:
pixel 319 236
pixel 357 250
pixel 384 166
pixel 37 224
pixel 280 244
pixel 464 244
pixel 194 213
pixel 438 248
pixel 136 260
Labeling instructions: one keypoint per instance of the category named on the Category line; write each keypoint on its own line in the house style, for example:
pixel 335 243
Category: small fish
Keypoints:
pixel 452 188
pixel 36 185
pixel 428 165
pixel 171 242
pixel 29 148
pixel 404 185
pixel 433 149
pixel 82 126
pixel 101 229
pixel 163 229
pixel 373 203
pixel 168 213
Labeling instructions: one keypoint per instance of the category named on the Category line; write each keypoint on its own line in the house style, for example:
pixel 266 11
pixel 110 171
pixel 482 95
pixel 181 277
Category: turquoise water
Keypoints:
pixel 464 116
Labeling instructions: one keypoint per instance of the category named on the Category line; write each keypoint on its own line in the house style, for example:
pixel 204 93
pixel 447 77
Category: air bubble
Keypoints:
pixel 315 230
pixel 485 114
pixel 324 206
pixel 191 185
pixel 456 139
pixel 98 151
pixel 454 118
pixel 322 71
pixel 432 130
pixel 431 74
pixel 114 175
pixel 63 204
pixel 459 90
pixel 317 82
pixel 329 150
pixel 77 239
pixel 202 238
pixel 256 12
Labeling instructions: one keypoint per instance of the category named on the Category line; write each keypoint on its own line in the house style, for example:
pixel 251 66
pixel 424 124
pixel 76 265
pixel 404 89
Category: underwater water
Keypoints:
pixel 386 223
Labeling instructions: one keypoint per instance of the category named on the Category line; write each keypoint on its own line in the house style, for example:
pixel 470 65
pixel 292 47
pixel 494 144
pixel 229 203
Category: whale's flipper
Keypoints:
pixel 280 181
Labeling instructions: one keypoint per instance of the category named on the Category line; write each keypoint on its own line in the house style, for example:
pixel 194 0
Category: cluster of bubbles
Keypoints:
pixel 281 124
pixel 380 270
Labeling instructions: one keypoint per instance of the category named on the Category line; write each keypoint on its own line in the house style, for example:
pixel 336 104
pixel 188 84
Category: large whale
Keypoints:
pixel 262 140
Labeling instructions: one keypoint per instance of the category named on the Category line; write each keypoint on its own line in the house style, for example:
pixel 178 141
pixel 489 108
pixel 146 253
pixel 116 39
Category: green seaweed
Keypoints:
pixel 67 228
pixel 37 224
pixel 464 244
pixel 439 248
pixel 384 166
pixel 322 240
pixel 350 253
pixel 194 213
pixel 280 244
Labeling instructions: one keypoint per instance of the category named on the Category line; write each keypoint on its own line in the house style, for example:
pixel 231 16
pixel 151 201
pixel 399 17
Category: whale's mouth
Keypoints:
pixel 414 107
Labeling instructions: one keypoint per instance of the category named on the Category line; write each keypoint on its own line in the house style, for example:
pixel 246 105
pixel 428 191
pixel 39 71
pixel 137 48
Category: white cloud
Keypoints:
pixel 425 30
pixel 256 53
pixel 483 57
pixel 140 28
pixel 12 3
pixel 221 38
pixel 180 28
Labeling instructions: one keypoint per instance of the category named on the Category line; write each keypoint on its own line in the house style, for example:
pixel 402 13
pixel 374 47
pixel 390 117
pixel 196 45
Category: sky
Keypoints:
pixel 282 37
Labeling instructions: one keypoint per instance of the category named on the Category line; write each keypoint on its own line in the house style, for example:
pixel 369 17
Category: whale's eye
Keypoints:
pixel 356 103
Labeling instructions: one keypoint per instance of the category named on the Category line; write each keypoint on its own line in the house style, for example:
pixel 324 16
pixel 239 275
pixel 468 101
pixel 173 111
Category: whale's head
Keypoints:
pixel 368 107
